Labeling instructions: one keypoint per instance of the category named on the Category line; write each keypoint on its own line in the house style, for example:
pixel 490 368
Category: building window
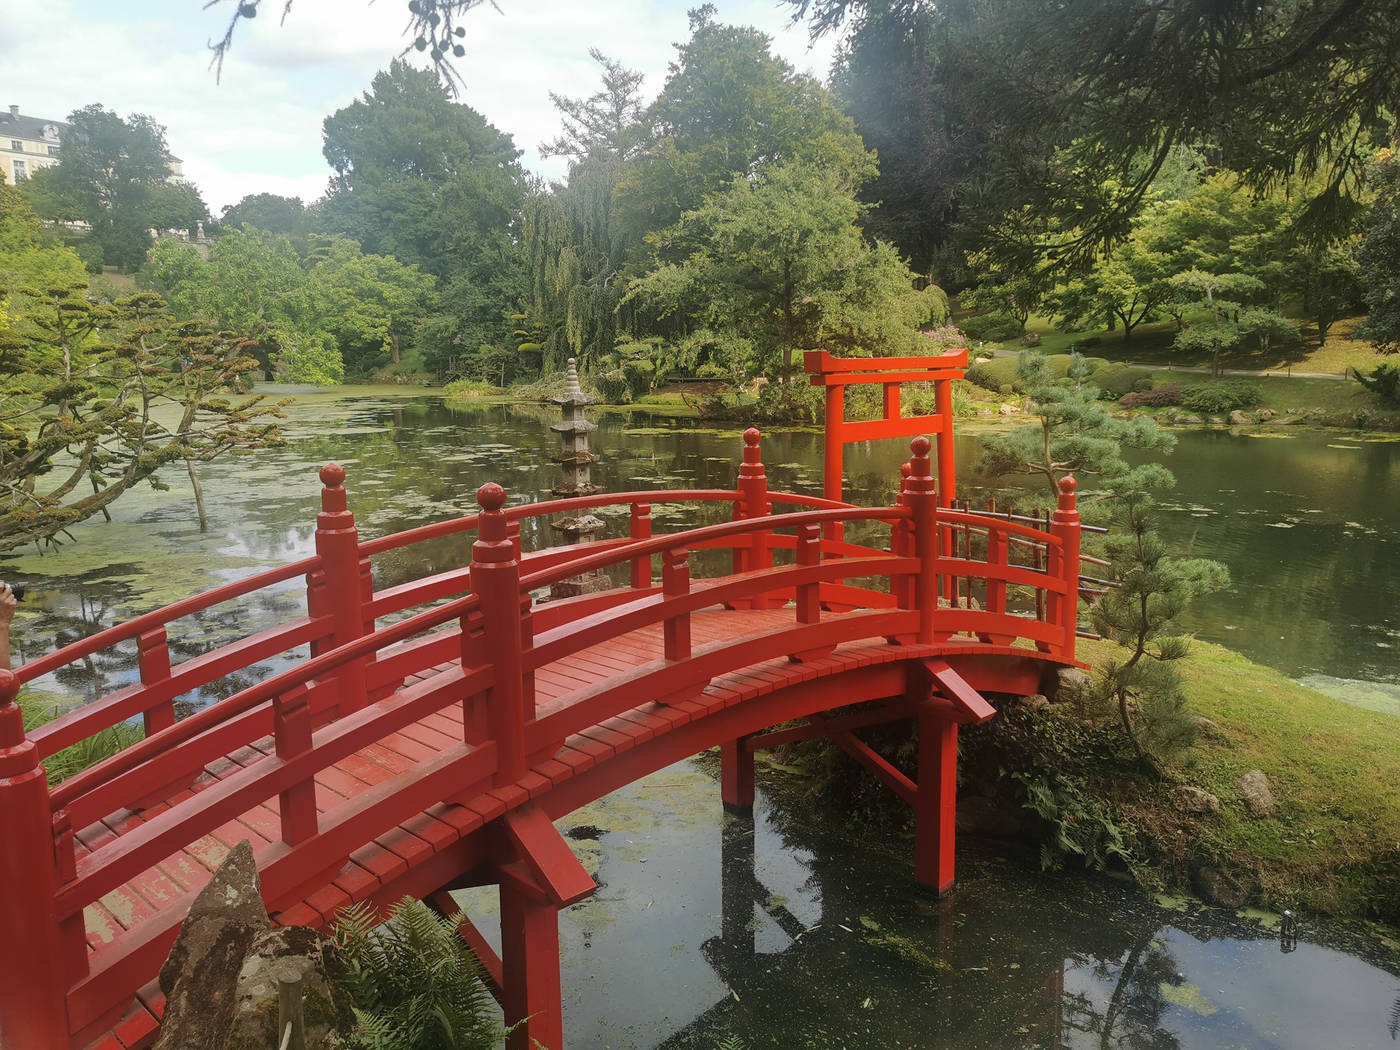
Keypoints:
pixel 17 145
pixel 21 171
pixel 53 151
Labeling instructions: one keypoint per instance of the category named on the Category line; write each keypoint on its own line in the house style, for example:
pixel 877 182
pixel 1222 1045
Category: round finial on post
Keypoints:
pixel 9 687
pixel 919 464
pixel 334 499
pixel 1068 486
pixel 906 469
pixel 333 475
pixel 753 453
pixel 491 497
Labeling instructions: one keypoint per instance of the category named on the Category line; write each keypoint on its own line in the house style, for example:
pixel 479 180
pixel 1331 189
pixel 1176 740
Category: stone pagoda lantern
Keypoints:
pixel 577 461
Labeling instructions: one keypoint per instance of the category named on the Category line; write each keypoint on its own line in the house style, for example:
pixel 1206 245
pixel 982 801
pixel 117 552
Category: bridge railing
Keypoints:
pixel 495 637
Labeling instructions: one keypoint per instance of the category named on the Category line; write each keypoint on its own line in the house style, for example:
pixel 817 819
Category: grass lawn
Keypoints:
pixel 1151 344
pixel 1295 396
pixel 1333 844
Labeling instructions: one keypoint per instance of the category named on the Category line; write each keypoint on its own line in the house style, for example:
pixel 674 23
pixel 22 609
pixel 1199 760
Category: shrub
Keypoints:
pixel 469 390
pixel 948 337
pixel 640 374
pixel 1145 383
pixel 788 403
pixel 613 387
pixel 1224 396
pixel 985 374
pixel 1384 381
pixel 1161 397
pixel 1116 379
pixel 993 327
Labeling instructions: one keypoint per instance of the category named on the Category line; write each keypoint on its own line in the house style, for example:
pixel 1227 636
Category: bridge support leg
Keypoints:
pixel 936 803
pixel 531 987
pixel 736 774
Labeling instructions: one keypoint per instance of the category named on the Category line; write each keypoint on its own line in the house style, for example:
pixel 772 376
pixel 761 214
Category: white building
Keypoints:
pixel 27 144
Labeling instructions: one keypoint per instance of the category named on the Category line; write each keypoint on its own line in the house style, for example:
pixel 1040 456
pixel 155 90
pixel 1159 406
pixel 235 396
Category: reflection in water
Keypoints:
pixel 707 925
pixel 1306 527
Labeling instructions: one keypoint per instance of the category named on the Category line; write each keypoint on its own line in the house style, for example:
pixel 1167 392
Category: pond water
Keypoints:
pixel 703 928
pixel 707 926
pixel 1306 521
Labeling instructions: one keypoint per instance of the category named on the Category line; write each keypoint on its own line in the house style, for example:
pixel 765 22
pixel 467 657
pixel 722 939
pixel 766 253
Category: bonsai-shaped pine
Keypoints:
pixel 1079 435
pixel 96 397
pixel 415 985
pixel 1140 615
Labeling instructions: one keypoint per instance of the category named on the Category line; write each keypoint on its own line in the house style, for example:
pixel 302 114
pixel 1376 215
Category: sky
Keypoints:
pixel 258 127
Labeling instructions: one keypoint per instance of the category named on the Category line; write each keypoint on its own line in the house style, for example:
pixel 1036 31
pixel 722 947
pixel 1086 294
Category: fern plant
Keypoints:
pixel 415 985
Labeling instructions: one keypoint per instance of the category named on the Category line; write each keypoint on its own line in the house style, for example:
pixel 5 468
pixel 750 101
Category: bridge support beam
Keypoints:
pixel 936 801
pixel 736 775
pixel 543 877
pixel 532 992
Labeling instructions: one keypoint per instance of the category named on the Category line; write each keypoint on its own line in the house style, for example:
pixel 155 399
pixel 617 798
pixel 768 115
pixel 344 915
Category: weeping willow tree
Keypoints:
pixel 575 263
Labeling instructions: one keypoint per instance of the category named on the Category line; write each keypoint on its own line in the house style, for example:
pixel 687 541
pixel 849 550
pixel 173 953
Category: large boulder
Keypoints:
pixel 1258 795
pixel 1196 800
pixel 291 953
pixel 1218 886
pixel 200 978
pixel 1072 686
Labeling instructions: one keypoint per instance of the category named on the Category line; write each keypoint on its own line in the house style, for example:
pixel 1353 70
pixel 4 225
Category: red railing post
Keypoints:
pixel 675 582
pixel 33 985
pixel 153 659
pixel 753 501
pixel 1065 527
pixel 639 528
pixel 476 720
pixel 809 552
pixel 291 729
pixel 336 590
pixel 923 502
pixel 495 580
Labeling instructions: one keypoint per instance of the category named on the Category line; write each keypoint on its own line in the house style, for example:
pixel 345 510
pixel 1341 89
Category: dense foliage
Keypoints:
pixel 414 984
pixel 98 395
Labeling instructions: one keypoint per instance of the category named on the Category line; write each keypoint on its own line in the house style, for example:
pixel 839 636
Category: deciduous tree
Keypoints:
pixel 780 260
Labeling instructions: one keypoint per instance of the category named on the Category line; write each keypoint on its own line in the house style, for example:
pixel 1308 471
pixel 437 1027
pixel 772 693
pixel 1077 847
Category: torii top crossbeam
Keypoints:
pixel 837 373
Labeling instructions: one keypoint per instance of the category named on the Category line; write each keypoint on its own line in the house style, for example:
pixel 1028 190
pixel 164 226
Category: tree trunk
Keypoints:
pixel 198 495
pixel 394 347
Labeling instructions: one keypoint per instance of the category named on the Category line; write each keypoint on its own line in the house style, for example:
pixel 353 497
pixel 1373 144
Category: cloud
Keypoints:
pixel 258 127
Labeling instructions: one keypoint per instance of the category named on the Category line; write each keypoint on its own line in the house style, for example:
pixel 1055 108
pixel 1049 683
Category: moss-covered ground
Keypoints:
pixel 1333 844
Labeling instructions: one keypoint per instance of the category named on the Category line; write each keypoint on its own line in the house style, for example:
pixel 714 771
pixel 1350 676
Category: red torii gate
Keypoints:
pixel 837 373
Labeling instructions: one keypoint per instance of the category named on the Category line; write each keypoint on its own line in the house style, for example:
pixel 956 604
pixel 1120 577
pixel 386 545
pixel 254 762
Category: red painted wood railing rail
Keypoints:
pixel 478 648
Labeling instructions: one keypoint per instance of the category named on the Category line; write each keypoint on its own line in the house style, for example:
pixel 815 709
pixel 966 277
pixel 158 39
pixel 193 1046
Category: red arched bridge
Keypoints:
pixel 414 754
